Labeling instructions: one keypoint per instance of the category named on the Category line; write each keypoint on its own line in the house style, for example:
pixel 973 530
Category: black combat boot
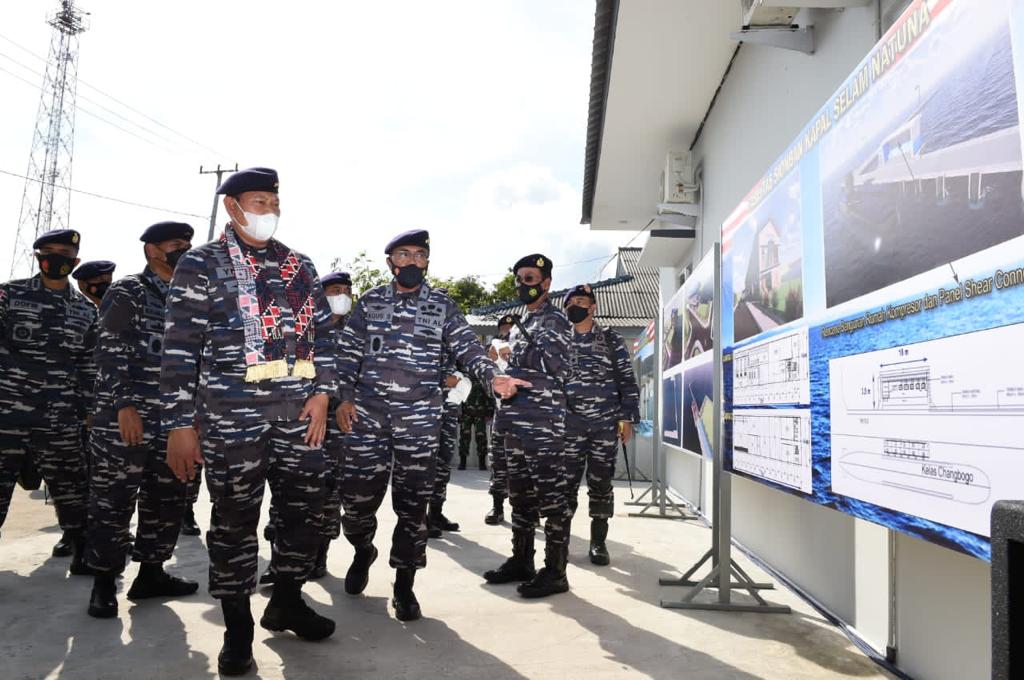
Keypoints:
pixel 288 611
pixel 268 577
pixel 103 600
pixel 496 515
pixel 482 462
pixel 359 573
pixel 437 518
pixel 269 533
pixel 153 581
pixel 519 567
pixel 235 656
pixel 320 565
pixel 78 566
pixel 462 462
pixel 188 522
pixel 407 608
pixel 65 546
pixel 551 578
pixel 598 534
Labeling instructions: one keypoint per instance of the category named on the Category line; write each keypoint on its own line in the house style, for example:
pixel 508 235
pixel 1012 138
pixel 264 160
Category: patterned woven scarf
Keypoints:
pixel 265 322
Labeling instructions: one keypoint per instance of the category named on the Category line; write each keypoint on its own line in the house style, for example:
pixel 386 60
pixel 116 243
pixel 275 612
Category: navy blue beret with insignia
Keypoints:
pixel 67 237
pixel 93 268
pixel 250 179
pixel 541 262
pixel 416 237
pixel 165 231
pixel 583 290
pixel 508 320
pixel 335 278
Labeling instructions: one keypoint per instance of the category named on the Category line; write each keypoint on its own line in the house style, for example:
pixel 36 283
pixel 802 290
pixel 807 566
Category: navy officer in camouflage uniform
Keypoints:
pixel 338 290
pixel 604 403
pixel 94 278
pixel 129 464
pixel 47 338
pixel 533 423
pixel 391 368
pixel 498 487
pixel 249 358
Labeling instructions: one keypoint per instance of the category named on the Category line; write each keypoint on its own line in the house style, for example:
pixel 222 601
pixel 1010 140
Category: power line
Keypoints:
pixel 105 198
pixel 115 99
pixel 90 113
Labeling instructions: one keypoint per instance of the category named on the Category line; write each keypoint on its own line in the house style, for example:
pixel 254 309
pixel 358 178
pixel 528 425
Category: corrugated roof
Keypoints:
pixel 605 19
pixel 627 300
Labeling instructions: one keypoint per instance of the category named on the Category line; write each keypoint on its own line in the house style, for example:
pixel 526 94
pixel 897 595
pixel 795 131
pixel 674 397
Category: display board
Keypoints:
pixel 645 369
pixel 874 287
pixel 688 361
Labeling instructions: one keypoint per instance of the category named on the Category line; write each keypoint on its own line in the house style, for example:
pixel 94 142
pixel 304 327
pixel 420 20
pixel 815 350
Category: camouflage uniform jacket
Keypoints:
pixel 47 339
pixel 393 346
pixel 599 392
pixel 131 339
pixel 543 357
pixel 203 365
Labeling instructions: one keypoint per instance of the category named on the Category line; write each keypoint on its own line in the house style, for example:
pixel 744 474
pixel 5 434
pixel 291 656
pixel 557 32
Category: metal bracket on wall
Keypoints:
pixel 797 38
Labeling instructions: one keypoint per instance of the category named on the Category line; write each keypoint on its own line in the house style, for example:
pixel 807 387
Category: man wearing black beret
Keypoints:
pixel 47 337
pixel 604 402
pixel 249 356
pixel 391 370
pixel 499 351
pixel 533 424
pixel 94 278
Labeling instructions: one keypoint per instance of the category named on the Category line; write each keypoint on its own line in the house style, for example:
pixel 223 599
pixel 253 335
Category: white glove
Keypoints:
pixel 460 392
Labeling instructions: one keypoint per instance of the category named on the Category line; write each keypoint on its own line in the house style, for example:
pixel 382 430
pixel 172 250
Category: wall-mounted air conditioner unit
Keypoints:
pixel 767 13
pixel 677 180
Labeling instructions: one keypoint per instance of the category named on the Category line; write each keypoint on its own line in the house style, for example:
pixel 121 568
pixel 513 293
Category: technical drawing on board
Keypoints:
pixel 773 371
pixel 932 429
pixel 775 445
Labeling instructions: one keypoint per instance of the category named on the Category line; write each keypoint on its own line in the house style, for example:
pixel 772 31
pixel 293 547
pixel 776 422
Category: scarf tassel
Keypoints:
pixel 272 369
pixel 304 369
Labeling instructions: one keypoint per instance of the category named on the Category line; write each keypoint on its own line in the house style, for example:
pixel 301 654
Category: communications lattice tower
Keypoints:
pixel 46 201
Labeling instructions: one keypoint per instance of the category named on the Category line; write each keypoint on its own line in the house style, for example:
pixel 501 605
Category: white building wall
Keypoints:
pixel 843 562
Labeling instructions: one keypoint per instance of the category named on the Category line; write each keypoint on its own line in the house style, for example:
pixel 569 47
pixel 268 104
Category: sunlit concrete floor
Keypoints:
pixel 608 626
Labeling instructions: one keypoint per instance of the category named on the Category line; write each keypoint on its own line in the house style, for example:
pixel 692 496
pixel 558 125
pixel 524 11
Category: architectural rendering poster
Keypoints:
pixel 698 358
pixel 672 342
pixel 873 286
pixel 644 366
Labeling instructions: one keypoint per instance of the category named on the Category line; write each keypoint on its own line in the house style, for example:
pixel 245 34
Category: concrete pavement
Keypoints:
pixel 608 626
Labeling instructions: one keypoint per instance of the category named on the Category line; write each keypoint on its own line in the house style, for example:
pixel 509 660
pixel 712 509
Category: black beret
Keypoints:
pixel 541 262
pixel 250 179
pixel 335 278
pixel 416 237
pixel 508 320
pixel 94 268
pixel 165 231
pixel 582 290
pixel 68 237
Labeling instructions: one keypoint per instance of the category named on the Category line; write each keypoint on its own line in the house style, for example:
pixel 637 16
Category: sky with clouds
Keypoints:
pixel 466 118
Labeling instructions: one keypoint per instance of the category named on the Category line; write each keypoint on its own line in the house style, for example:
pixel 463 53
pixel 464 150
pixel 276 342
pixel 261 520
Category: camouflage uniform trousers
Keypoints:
pixel 467 426
pixel 499 470
pixel 537 482
pixel 60 458
pixel 594 447
pixel 240 460
pixel 404 436
pixel 335 448
pixel 445 453
pixel 123 476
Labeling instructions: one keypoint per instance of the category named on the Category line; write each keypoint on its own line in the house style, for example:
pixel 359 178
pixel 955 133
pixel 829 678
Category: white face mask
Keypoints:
pixel 340 304
pixel 259 227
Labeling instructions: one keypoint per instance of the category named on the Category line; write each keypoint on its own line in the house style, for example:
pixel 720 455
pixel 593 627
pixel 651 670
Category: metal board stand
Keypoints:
pixel 725 574
pixel 659 506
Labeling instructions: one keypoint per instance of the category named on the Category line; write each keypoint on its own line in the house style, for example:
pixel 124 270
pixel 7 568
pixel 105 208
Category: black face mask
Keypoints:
pixel 529 293
pixel 55 266
pixel 174 256
pixel 410 276
pixel 576 313
pixel 98 290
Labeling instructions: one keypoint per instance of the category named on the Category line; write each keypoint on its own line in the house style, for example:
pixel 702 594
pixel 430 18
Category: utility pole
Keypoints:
pixel 213 213
pixel 46 201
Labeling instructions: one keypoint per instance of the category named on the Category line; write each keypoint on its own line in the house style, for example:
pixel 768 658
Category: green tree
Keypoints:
pixel 365 274
pixel 504 290
pixel 468 291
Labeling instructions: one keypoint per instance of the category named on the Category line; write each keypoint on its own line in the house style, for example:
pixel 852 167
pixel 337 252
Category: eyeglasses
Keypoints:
pixel 529 280
pixel 405 257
